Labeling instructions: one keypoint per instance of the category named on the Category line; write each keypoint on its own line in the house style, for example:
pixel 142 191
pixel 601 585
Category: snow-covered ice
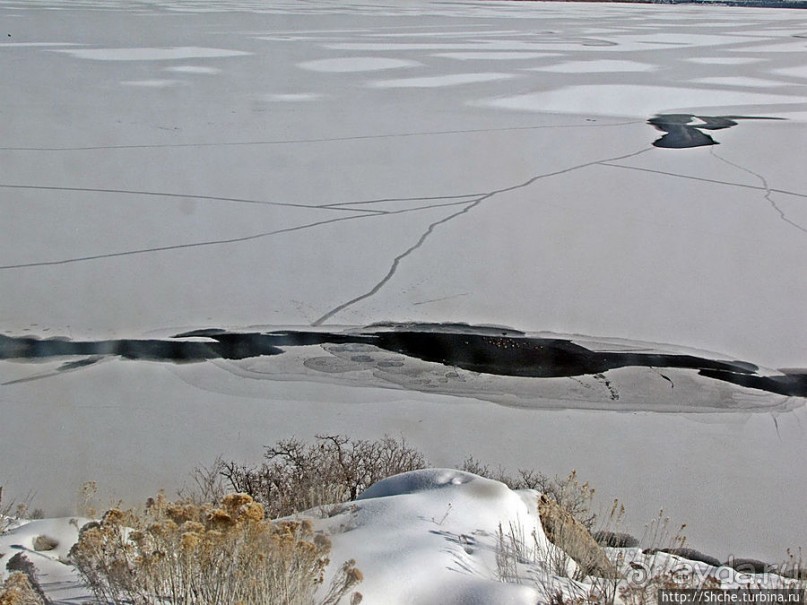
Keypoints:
pixel 150 54
pixel 347 64
pixel 630 99
pixel 186 165
pixel 438 81
pixel 597 66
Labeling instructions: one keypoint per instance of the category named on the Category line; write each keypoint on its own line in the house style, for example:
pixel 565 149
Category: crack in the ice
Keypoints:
pixel 703 179
pixel 320 140
pixel 402 199
pixel 664 376
pixel 431 227
pixel 442 298
pixel 765 187
pixel 190 196
pixel 342 206
pixel 396 262
pixel 219 242
pixel 776 425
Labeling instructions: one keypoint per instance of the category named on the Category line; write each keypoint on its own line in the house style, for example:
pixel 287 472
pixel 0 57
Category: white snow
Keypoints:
pixel 291 97
pixel 632 100
pixel 739 81
pixel 193 69
pixel 34 44
pixel 439 81
pixel 723 60
pixel 58 578
pixel 795 72
pixel 677 39
pixel 494 56
pixel 151 83
pixel 430 536
pixel 356 64
pixel 597 66
pixel 150 54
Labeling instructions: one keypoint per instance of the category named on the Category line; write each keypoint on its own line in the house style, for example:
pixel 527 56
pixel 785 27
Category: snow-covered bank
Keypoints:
pixel 46 543
pixel 437 535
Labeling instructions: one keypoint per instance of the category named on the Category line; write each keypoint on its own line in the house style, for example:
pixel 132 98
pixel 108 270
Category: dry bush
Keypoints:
pixel 522 559
pixel 795 566
pixel 569 492
pixel 573 541
pixel 190 554
pixel 513 549
pixel 646 593
pixel 594 578
pixel 297 476
pixel 17 590
pixel 11 510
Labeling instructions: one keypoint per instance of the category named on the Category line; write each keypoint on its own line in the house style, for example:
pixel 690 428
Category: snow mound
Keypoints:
pixel 444 536
pixel 46 543
pixel 424 480
pixel 431 536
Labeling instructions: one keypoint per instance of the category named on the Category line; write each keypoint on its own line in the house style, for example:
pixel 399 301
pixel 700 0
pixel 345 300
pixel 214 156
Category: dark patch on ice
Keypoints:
pixel 529 356
pixel 794 385
pixel 795 573
pixel 749 566
pixel 682 133
pixel 686 553
pixel 234 347
pixel 487 350
pixel 80 363
pixel 613 539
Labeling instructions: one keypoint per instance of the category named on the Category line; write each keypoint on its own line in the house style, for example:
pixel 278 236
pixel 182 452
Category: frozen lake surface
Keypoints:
pixel 175 166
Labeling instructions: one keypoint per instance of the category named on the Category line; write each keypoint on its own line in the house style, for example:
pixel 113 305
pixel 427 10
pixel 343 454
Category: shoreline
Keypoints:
pixel 727 3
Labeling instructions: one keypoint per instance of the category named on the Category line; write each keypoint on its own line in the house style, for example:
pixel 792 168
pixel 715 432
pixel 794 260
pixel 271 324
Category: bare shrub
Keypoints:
pixel 11 510
pixel 795 566
pixel 200 554
pixel 676 578
pixel 296 476
pixel 514 549
pixel 569 492
pixel 85 504
pixel 207 484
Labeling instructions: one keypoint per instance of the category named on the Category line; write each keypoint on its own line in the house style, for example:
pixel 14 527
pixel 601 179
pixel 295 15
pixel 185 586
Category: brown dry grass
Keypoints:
pixel 190 554
pixel 17 590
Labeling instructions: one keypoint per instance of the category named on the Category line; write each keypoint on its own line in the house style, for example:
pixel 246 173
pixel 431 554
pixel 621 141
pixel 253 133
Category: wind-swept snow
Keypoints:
pixel 46 543
pixel 150 54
